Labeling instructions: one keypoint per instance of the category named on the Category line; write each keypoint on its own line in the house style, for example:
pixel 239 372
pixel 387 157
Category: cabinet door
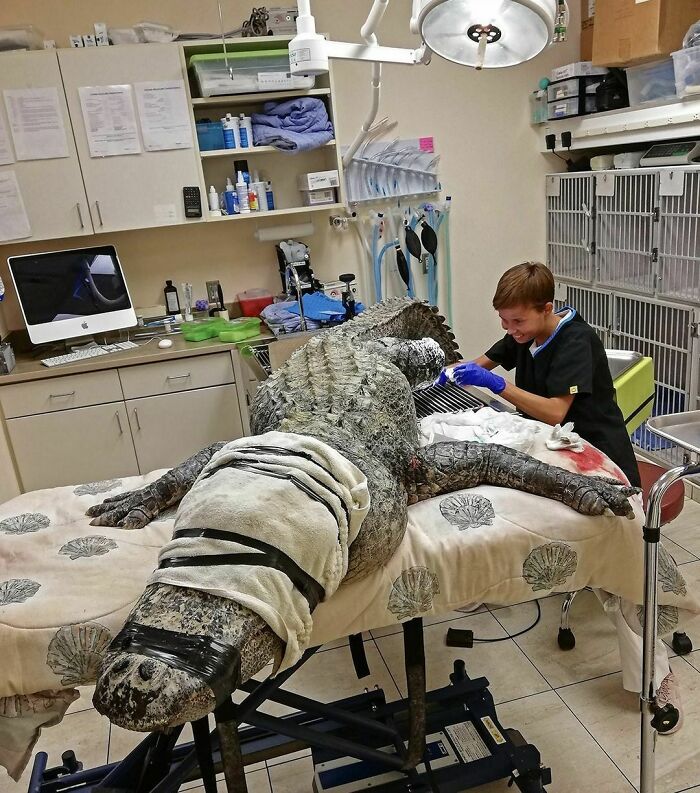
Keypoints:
pixel 52 190
pixel 134 190
pixel 73 446
pixel 168 429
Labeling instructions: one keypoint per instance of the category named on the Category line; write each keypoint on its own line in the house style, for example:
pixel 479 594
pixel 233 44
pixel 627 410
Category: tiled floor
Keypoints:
pixel 570 705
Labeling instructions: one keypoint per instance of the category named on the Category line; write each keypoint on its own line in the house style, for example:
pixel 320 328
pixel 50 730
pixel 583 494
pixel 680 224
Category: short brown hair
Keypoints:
pixel 526 284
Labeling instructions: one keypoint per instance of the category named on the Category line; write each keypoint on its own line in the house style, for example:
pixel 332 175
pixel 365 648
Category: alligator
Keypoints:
pixel 351 388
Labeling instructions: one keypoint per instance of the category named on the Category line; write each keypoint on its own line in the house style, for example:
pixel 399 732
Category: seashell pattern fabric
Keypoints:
pixel 17 590
pixel 75 652
pixel 549 565
pixel 85 547
pixel 666 621
pixel 412 592
pixel 93 488
pixel 670 576
pixel 467 512
pixel 26 523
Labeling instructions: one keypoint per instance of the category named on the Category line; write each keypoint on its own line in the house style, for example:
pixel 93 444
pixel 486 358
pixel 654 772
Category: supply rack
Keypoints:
pixel 281 168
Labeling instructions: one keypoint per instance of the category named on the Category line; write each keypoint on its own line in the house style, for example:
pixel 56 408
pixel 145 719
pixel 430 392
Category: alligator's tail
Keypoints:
pixel 403 318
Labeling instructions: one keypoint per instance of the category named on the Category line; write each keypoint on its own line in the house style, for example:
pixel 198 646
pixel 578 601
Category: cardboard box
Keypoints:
pixel 319 180
pixel 579 69
pixel 629 32
pixel 314 198
pixel 587 39
pixel 587 11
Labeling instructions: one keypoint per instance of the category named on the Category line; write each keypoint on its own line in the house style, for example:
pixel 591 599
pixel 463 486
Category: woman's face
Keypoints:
pixel 525 323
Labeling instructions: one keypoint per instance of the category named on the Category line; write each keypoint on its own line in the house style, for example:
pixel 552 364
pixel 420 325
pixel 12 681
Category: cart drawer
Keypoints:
pixel 180 374
pixel 60 393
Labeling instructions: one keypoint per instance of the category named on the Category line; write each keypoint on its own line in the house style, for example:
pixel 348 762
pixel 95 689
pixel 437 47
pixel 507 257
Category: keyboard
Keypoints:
pixel 88 352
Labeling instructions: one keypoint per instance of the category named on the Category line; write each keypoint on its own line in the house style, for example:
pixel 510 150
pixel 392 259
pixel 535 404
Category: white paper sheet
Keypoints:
pixel 110 121
pixel 36 123
pixel 6 155
pixel 164 115
pixel 14 223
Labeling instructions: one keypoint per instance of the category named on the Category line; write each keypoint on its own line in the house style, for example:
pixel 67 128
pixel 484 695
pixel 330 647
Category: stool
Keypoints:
pixel 671 508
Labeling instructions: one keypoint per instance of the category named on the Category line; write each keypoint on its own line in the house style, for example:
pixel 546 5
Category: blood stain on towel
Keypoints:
pixel 591 461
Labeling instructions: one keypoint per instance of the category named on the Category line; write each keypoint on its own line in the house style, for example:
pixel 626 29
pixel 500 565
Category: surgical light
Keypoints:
pixel 477 33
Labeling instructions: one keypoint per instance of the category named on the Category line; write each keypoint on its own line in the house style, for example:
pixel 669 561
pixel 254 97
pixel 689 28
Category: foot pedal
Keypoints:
pixel 459 638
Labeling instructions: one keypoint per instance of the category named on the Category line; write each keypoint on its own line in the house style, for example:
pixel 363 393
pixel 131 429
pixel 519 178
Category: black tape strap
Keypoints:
pixel 641 407
pixel 269 556
pixel 359 657
pixel 211 661
pixel 244 466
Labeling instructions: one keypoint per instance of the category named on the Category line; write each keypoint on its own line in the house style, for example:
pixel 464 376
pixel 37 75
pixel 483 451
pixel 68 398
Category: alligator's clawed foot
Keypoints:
pixel 599 496
pixel 125 511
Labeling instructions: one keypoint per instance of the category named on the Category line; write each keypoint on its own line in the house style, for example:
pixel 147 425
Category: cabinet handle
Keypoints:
pixel 80 215
pixel 60 396
pixel 99 212
pixel 119 422
pixel 179 376
pixel 138 423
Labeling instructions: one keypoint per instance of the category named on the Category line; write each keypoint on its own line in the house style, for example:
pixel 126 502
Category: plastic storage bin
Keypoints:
pixel 686 67
pixel 240 329
pixel 572 87
pixel 253 301
pixel 262 70
pixel 651 82
pixel 571 107
pixel 210 135
pixel 202 330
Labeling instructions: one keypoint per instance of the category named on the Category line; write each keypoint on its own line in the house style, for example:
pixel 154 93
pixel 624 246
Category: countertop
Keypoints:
pixel 29 366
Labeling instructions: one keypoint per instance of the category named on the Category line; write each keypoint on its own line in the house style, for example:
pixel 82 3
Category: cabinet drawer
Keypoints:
pixel 180 374
pixel 60 393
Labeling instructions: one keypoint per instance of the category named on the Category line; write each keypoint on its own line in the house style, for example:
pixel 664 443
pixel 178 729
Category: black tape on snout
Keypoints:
pixel 211 661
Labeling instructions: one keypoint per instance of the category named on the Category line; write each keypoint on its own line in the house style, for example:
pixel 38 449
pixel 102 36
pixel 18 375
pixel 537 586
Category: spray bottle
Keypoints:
pixel 242 193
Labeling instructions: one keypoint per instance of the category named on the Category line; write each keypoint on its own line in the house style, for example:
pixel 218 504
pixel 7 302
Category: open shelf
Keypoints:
pixel 278 212
pixel 207 155
pixel 255 98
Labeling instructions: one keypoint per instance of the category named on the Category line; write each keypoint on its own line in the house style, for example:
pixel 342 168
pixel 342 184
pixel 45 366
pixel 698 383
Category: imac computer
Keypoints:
pixel 66 294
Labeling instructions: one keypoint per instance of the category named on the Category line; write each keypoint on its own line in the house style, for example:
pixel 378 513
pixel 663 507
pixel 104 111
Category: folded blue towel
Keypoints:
pixel 322 308
pixel 295 125
pixel 281 316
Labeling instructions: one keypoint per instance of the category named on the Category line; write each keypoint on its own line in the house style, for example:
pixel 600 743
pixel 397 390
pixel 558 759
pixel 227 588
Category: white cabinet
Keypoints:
pixel 168 429
pixel 134 190
pixel 52 190
pixel 73 446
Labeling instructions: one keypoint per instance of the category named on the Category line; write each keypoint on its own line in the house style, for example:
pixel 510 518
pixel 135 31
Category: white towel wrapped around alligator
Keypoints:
pixel 291 492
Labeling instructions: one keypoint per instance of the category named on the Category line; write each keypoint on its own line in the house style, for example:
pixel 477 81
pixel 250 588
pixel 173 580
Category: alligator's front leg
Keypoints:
pixel 446 467
pixel 137 508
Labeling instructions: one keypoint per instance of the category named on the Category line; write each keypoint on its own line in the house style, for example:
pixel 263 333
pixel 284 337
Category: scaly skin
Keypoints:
pixel 350 387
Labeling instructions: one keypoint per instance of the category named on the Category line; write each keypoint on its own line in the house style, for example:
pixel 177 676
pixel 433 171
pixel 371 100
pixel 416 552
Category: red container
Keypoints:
pixel 253 301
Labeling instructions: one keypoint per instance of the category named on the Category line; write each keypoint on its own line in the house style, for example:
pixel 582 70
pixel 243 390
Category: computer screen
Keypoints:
pixel 72 293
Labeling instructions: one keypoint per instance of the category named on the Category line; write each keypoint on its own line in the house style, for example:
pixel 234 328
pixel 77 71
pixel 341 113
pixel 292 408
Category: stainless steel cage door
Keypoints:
pixel 570 226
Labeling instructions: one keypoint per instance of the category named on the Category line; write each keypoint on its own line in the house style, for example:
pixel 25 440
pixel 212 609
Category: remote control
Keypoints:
pixel 193 204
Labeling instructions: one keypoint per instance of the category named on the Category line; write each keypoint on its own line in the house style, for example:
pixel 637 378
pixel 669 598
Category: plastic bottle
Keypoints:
pixel 231 198
pixel 229 133
pixel 245 126
pixel 269 195
pixel 253 198
pixel 259 188
pixel 213 199
pixel 241 165
pixel 172 301
pixel 242 192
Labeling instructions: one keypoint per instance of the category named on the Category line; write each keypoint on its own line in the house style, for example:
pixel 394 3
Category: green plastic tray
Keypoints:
pixel 240 329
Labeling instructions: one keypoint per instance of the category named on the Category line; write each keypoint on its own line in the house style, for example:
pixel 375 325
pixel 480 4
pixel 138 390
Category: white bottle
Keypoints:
pixel 233 124
pixel 242 193
pixel 213 200
pixel 259 188
pixel 229 132
pixel 245 129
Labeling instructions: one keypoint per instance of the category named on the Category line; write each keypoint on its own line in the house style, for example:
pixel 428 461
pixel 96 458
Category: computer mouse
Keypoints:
pixel 165 343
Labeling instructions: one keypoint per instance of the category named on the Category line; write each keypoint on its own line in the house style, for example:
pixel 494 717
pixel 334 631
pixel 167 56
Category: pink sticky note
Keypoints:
pixel 426 144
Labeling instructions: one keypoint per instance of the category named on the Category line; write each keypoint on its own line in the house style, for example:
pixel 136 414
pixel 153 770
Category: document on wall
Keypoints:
pixel 110 120
pixel 164 115
pixel 6 156
pixel 14 223
pixel 36 123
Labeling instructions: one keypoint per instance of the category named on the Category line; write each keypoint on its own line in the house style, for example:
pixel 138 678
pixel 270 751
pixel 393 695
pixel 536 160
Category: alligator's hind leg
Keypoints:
pixel 137 508
pixel 446 467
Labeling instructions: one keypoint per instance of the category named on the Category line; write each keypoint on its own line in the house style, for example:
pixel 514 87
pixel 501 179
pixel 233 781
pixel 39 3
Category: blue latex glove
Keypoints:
pixel 473 374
